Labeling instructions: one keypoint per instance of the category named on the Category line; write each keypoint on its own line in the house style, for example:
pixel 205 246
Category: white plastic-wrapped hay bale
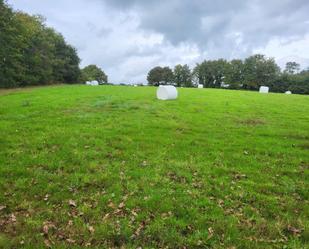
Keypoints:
pixel 94 83
pixel 167 92
pixel 200 86
pixel 88 83
pixel 264 89
pixel 288 92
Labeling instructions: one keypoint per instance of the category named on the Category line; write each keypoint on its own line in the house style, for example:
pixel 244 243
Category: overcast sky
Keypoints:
pixel 129 37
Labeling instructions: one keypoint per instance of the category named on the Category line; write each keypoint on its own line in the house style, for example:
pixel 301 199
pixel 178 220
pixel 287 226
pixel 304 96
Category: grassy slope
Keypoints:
pixel 215 168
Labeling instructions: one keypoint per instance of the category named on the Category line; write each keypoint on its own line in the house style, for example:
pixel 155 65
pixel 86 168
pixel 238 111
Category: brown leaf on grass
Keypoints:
pixel 12 218
pixel 124 198
pixel 106 217
pixel 91 229
pixel 118 211
pixel 71 241
pixel 134 213
pixel 46 227
pixel 121 205
pixel 111 205
pixel 220 203
pixel 210 232
pixel 47 243
pixel 61 235
pixel 293 230
pixel 2 208
pixel 139 229
pixel 72 203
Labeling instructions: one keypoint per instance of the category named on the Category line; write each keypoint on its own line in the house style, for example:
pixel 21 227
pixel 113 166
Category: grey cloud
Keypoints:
pixel 128 37
pixel 208 22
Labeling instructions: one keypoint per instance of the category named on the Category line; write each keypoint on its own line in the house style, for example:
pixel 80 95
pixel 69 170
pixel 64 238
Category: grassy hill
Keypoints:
pixel 112 167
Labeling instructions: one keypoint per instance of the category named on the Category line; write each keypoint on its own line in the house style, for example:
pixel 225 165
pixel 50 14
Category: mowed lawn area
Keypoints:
pixel 113 167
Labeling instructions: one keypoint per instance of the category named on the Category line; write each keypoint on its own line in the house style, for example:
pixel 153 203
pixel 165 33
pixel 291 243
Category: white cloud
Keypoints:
pixel 288 50
pixel 129 37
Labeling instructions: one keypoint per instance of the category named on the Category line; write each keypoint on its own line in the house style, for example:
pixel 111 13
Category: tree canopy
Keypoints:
pixel 160 76
pixel 92 72
pixel 32 53
pixel 183 75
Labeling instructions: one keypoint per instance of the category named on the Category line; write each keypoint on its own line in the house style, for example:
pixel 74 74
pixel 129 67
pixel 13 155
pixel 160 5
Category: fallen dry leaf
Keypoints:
pixel 71 241
pixel 106 216
pixel 2 208
pixel 46 226
pixel 47 243
pixel 295 231
pixel 72 203
pixel 210 232
pixel 45 229
pixel 121 205
pixel 12 218
pixel 111 205
pixel 91 229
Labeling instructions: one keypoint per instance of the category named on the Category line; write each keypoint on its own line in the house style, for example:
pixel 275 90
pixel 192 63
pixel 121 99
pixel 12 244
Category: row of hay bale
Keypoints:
pixel 168 92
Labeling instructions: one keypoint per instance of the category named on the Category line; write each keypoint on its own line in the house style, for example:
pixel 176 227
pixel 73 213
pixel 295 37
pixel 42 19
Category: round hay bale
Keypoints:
pixel 167 92
pixel 264 89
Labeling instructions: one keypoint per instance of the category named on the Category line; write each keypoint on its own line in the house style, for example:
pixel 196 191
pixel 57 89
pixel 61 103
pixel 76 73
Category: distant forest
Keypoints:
pixel 33 54
pixel 251 73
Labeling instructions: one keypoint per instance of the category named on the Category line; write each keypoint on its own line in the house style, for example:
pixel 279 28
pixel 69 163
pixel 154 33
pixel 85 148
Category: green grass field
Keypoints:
pixel 113 167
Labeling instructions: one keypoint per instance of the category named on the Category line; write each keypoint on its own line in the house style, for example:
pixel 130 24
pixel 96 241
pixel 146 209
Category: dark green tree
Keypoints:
pixel 259 71
pixel 92 72
pixel 211 73
pixel 33 54
pixel 183 76
pixel 154 76
pixel 11 44
pixel 292 67
pixel 167 76
pixel 234 74
pixel 160 75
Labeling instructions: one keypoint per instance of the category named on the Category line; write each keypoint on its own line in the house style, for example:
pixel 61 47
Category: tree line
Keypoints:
pixel 250 73
pixel 33 54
